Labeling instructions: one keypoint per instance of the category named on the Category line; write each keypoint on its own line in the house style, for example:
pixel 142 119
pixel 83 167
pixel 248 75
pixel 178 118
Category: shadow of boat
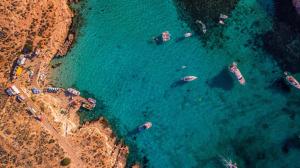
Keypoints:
pixel 222 80
pixel 178 83
pixel 281 86
pixel 179 39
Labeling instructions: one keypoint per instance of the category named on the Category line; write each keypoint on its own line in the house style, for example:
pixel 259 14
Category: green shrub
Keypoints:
pixel 65 162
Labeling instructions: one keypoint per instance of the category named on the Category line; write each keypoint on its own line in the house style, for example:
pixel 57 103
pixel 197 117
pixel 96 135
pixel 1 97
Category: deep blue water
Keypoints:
pixel 194 123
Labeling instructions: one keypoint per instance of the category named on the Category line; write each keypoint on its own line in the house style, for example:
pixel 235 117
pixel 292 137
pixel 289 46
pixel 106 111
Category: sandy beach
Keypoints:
pixel 38 31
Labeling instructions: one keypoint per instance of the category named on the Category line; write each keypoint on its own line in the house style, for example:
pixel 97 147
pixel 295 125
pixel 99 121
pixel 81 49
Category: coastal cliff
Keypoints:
pixel 39 30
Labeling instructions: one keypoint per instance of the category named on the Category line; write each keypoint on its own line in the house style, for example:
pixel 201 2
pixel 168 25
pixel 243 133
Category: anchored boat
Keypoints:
pixel 163 37
pixel 234 69
pixel 188 34
pixel 90 104
pixel 189 78
pixel 292 81
pixel 145 126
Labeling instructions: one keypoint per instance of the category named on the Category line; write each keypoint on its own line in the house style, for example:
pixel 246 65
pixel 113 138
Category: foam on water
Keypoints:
pixel 194 123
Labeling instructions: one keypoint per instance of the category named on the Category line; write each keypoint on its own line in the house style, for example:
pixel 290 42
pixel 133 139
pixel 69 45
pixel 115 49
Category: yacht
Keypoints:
pixel 188 34
pixel 234 69
pixel 166 36
pixel 291 80
pixel 163 37
pixel 145 126
pixel 189 78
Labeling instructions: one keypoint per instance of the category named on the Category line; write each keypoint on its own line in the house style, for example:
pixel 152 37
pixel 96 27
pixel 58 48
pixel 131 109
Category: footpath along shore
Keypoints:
pixel 33 33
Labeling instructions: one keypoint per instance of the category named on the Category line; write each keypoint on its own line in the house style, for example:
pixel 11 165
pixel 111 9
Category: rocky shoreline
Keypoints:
pixel 45 125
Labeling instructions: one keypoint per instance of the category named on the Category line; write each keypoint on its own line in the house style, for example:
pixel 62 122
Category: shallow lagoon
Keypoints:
pixel 134 81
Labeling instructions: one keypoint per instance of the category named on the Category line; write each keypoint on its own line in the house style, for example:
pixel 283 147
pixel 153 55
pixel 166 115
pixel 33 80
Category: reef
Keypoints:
pixel 284 40
pixel 206 11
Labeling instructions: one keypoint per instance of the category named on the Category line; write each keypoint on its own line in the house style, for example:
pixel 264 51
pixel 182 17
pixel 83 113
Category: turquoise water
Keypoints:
pixel 195 123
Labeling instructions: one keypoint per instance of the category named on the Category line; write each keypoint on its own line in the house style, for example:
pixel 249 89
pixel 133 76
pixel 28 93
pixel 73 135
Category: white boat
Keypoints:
pixel 189 78
pixel 165 36
pixel 186 35
pixel 234 69
pixel 222 16
pixel 145 126
pixel 221 22
pixel 292 81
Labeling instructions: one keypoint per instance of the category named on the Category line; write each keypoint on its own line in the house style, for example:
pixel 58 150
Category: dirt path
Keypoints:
pixel 70 150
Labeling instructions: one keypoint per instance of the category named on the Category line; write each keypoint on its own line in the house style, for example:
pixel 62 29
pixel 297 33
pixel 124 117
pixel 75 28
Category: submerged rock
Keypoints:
pixel 207 11
pixel 284 40
pixel 291 142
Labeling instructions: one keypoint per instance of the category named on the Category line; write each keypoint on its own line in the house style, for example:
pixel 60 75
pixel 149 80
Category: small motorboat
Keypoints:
pixel 163 37
pixel 189 78
pixel 233 68
pixel 166 36
pixel 188 34
pixel 292 81
pixel 145 126
pixel 222 16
